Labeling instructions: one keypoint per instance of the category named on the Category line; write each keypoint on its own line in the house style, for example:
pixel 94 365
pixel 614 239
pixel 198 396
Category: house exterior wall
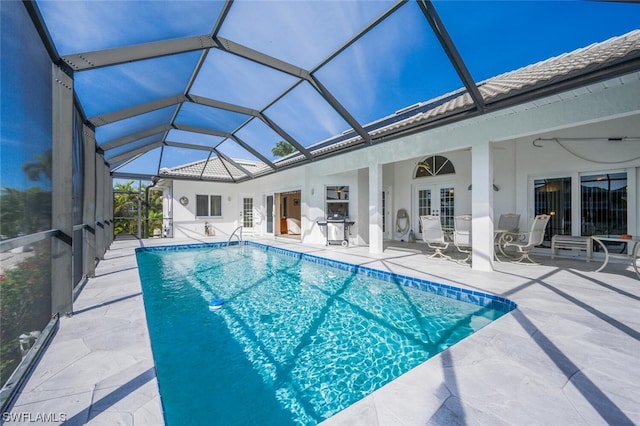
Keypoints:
pixel 601 109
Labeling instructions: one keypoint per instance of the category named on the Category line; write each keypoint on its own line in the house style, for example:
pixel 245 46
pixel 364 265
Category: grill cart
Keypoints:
pixel 337 229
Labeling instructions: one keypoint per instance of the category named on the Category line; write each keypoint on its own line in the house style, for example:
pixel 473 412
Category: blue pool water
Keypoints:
pixel 297 339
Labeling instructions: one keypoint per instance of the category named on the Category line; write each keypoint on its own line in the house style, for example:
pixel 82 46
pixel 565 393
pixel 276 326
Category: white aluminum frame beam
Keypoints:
pixel 201 100
pixel 123 114
pixel 189 146
pixel 202 130
pixel 104 58
pixel 135 137
pixel 261 58
pixel 134 152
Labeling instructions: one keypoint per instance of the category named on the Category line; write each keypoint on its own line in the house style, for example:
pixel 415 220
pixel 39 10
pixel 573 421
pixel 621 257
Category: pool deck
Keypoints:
pixel 569 355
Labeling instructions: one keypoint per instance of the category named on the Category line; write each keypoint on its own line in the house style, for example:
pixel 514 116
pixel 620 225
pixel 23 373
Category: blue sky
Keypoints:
pixel 25 110
pixel 397 64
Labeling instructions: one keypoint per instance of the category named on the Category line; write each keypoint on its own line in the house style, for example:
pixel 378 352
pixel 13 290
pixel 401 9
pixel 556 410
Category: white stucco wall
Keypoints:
pixel 603 109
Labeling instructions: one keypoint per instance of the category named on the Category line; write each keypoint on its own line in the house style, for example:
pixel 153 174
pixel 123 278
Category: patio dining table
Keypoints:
pixel 635 240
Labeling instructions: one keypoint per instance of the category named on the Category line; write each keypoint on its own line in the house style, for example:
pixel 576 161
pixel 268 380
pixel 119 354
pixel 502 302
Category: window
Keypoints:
pixel 435 165
pixel 337 200
pixel 208 205
pixel 604 204
pixel 424 205
pixel 553 197
pixel 247 212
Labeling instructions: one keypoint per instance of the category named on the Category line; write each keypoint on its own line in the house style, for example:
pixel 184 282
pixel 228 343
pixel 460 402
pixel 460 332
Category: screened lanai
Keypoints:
pixel 230 92
pixel 164 84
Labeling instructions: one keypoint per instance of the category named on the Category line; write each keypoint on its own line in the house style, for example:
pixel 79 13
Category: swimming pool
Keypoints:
pixel 298 337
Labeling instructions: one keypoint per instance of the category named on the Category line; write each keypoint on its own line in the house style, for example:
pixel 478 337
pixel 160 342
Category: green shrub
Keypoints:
pixel 25 304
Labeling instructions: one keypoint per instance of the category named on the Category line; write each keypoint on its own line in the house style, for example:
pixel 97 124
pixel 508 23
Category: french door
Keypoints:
pixel 246 214
pixel 435 200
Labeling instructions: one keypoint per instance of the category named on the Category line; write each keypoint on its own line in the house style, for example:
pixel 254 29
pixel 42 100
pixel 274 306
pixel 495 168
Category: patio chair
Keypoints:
pixel 433 235
pixel 462 236
pixel 509 223
pixel 528 240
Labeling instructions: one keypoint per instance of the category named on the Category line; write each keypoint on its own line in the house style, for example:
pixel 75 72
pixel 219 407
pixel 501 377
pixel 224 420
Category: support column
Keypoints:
pixel 375 209
pixel 89 208
pixel 482 206
pixel 108 211
pixel 62 193
pixel 99 224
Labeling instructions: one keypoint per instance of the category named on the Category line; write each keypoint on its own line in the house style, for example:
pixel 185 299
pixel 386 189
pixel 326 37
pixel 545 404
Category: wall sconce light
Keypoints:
pixel 312 191
pixel 495 187
pixel 229 198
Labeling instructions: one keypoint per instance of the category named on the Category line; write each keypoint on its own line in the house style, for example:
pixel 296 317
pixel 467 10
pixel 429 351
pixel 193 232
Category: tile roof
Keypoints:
pixel 522 80
pixel 215 168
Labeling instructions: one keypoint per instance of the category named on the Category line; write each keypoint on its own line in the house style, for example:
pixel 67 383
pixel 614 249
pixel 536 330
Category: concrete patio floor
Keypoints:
pixel 567 356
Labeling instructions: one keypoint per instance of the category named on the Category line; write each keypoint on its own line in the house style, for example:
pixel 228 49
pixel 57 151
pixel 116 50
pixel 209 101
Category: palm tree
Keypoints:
pixel 153 210
pixel 25 212
pixel 125 207
pixel 11 212
pixel 283 149
pixel 42 166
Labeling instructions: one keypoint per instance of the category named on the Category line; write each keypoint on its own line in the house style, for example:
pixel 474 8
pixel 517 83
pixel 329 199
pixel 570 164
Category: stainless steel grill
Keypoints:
pixel 337 229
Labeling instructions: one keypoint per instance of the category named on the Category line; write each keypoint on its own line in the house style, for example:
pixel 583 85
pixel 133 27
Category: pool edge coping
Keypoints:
pixel 479 298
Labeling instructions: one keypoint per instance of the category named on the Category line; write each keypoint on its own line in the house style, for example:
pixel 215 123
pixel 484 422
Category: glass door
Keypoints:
pixel 553 197
pixel 435 200
pixel 247 214
pixel 270 214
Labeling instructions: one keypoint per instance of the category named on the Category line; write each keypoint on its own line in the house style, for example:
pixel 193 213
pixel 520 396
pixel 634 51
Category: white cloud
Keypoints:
pixel 375 63
pixel 83 26
pixel 300 32
pixel 120 86
pixel 239 81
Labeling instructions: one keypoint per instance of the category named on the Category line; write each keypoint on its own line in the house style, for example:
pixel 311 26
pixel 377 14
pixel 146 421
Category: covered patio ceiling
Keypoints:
pixel 207 90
